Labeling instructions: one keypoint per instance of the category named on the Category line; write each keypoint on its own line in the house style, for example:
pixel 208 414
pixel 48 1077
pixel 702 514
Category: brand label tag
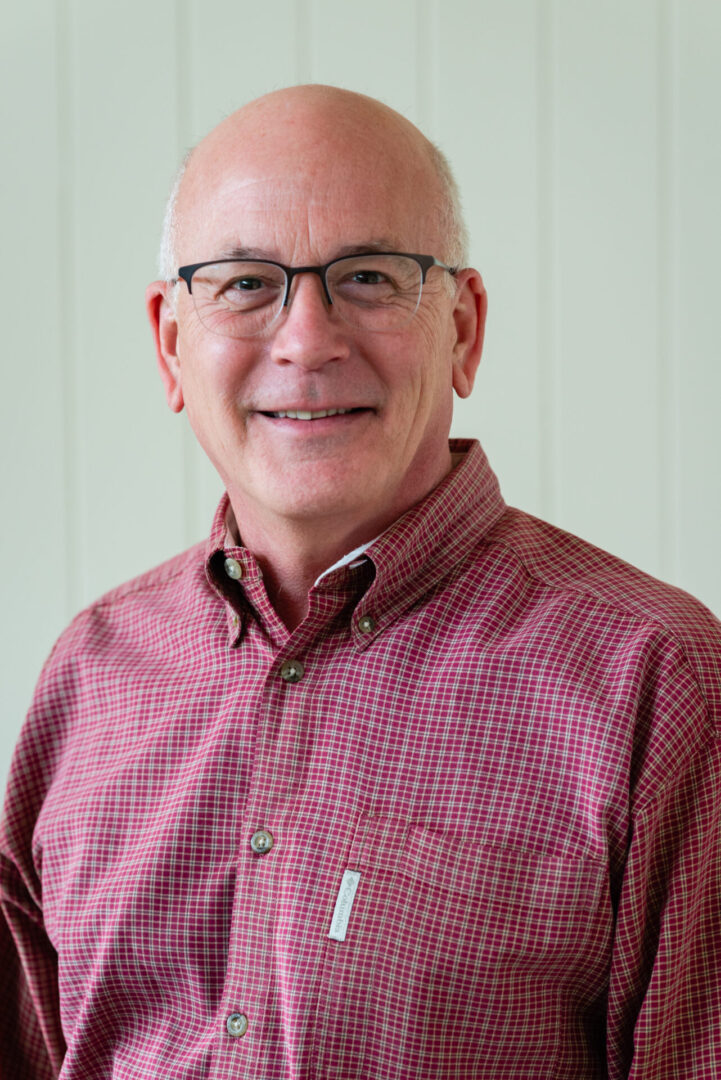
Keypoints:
pixel 343 905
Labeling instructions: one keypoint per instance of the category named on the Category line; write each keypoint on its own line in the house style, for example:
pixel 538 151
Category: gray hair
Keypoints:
pixel 452 222
pixel 167 264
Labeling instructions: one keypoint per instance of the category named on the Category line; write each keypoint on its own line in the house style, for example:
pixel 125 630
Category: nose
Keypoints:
pixel 308 332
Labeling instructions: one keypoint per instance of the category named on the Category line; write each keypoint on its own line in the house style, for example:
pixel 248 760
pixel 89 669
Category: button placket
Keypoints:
pixel 249 959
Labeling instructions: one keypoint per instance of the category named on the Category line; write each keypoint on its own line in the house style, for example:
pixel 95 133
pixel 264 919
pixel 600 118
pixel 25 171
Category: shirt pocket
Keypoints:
pixel 463 959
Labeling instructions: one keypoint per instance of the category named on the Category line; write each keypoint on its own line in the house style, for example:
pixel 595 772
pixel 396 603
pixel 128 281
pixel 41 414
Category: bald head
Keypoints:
pixel 317 129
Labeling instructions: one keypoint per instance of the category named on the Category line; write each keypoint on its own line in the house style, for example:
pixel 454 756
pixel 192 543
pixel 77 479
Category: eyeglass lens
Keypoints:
pixel 373 292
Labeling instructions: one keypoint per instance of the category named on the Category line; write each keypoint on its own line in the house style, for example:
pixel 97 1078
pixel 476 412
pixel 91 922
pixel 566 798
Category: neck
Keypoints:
pixel 293 555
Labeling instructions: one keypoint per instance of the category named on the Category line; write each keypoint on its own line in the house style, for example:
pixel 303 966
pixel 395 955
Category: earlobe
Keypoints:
pixel 470 323
pixel 164 325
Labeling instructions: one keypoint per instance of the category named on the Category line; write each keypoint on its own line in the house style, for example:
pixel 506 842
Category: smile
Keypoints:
pixel 307 414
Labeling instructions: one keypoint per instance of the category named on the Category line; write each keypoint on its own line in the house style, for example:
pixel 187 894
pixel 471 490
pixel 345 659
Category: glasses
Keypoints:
pixel 240 298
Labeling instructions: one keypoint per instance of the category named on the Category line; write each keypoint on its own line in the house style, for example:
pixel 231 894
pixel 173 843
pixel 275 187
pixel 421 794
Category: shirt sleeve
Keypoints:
pixel 32 1046
pixel 664 1007
pixel 31 1041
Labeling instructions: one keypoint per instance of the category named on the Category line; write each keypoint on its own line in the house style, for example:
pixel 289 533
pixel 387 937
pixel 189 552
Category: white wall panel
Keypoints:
pixel 348 49
pixel 486 84
pixel 122 138
pixel 235 53
pixel 697 292
pixel 606 303
pixel 36 592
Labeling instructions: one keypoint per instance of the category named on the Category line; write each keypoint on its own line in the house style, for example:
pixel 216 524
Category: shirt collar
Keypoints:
pixel 232 540
pixel 423 545
pixel 431 539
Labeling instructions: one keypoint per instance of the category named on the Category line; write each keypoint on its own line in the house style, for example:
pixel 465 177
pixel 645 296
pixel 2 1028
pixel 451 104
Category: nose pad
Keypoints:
pixel 294 285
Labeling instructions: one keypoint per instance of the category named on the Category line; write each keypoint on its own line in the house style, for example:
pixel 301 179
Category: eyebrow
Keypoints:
pixel 368 248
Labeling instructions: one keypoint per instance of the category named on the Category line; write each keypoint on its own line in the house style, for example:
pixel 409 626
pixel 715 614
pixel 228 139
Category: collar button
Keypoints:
pixel 233 569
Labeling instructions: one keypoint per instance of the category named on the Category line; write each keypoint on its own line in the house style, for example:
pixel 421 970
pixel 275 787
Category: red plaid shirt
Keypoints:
pixel 462 822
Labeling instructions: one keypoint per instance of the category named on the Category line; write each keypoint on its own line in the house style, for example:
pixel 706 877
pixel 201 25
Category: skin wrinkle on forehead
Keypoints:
pixel 361 248
pixel 304 209
pixel 307 212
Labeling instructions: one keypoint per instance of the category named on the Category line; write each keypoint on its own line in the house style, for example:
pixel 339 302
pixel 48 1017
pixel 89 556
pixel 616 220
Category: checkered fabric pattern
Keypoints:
pixel 510 739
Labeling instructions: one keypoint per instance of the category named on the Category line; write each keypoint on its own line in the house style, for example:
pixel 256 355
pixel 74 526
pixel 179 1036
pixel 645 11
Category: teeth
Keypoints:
pixel 306 414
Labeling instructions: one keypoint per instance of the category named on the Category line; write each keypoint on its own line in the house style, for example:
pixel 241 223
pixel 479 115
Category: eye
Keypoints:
pixel 368 277
pixel 245 284
pixel 248 288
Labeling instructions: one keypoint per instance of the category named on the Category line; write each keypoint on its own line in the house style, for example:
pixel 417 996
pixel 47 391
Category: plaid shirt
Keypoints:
pixel 462 822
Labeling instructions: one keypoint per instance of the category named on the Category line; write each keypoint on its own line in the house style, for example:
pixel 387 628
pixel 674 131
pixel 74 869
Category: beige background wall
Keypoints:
pixel 587 142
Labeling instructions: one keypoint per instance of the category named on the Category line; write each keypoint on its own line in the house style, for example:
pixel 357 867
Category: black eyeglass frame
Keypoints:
pixel 424 261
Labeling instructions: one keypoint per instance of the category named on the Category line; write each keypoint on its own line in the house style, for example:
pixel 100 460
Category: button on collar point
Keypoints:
pixel 233 569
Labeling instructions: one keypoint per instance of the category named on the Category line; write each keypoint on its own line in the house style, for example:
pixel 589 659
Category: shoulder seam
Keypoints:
pixel 562 587
pixel 618 607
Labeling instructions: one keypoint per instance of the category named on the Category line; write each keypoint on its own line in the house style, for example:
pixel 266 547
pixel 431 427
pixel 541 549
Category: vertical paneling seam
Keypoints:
pixel 547 359
pixel 183 80
pixel 667 284
pixel 67 293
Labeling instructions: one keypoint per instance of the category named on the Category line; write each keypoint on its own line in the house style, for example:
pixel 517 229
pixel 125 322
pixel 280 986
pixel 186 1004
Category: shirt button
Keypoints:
pixel 292 671
pixel 237 1024
pixel 261 842
pixel 233 569
pixel 366 624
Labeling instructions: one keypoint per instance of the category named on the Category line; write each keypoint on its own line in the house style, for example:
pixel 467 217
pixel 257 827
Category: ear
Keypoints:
pixel 469 316
pixel 164 324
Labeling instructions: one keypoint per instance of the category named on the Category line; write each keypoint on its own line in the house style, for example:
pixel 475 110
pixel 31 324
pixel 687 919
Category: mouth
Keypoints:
pixel 309 414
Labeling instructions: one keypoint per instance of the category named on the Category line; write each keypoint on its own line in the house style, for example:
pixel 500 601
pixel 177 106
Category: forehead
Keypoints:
pixel 296 194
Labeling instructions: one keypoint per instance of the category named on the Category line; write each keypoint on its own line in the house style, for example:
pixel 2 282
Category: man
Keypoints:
pixel 386 780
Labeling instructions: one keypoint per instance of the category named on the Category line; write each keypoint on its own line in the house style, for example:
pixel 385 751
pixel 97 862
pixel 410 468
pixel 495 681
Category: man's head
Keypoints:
pixel 301 177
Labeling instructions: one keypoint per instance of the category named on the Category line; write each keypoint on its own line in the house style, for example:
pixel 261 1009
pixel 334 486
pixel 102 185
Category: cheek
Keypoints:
pixel 435 327
pixel 211 367
pixel 433 357
pixel 418 365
